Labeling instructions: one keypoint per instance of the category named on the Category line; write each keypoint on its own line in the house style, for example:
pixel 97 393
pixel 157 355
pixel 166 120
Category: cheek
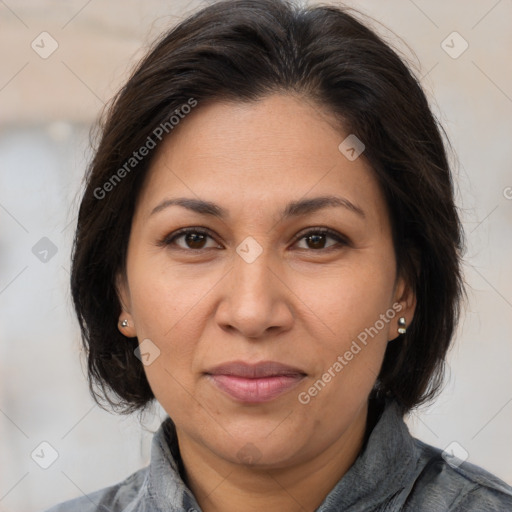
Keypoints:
pixel 164 314
pixel 348 301
pixel 165 310
pixel 164 297
pixel 351 337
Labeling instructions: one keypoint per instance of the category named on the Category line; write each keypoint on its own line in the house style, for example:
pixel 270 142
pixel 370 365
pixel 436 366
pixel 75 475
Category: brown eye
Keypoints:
pixel 195 240
pixel 316 239
pixel 191 238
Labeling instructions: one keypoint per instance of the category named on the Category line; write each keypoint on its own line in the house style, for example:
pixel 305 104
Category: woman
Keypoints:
pixel 268 246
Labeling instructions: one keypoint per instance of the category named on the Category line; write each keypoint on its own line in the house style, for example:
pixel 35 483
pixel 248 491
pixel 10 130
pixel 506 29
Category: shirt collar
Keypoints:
pixel 166 490
pixel 383 468
pixel 379 473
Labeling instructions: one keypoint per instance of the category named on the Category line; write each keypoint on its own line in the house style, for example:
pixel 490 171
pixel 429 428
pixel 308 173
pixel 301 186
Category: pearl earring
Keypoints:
pixel 402 329
pixel 124 323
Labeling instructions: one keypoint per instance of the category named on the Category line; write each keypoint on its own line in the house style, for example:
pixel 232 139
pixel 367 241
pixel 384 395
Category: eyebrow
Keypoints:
pixel 292 209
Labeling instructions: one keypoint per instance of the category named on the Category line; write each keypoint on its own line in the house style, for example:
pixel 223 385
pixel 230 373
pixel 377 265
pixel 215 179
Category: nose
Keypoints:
pixel 255 299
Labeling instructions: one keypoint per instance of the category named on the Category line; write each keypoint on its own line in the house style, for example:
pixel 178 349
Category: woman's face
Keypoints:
pixel 255 281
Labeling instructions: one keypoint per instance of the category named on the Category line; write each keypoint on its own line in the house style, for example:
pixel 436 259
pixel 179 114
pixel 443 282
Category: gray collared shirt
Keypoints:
pixel 394 472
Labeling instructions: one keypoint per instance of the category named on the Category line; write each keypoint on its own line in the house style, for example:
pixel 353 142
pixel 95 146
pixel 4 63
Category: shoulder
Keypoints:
pixel 115 498
pixel 445 483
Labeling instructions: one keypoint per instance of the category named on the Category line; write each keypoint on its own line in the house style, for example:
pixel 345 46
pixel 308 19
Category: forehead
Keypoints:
pixel 258 155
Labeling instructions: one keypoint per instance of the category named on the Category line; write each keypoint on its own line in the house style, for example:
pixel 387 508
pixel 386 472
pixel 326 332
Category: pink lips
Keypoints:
pixel 255 383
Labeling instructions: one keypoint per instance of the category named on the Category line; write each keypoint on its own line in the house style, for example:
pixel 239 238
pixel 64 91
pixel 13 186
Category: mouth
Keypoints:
pixel 255 383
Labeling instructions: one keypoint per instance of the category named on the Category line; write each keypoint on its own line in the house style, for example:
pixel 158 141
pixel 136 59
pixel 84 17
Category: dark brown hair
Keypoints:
pixel 243 50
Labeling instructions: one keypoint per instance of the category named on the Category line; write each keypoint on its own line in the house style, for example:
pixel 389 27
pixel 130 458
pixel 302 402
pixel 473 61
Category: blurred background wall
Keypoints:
pixel 60 63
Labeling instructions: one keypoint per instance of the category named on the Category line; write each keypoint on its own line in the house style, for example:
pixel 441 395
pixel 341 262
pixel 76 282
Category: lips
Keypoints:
pixel 255 383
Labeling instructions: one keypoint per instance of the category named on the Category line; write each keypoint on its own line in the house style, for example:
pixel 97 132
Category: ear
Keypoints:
pixel 405 300
pixel 125 324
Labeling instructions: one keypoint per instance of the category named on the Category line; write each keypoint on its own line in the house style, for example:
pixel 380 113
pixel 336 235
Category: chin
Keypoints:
pixel 257 445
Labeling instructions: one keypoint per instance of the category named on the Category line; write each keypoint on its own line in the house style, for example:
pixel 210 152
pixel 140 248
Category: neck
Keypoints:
pixel 220 485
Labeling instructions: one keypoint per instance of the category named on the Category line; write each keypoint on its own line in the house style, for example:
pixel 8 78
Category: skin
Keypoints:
pixel 300 302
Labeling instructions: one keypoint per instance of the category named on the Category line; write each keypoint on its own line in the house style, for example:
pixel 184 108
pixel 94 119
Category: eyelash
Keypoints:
pixel 341 240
